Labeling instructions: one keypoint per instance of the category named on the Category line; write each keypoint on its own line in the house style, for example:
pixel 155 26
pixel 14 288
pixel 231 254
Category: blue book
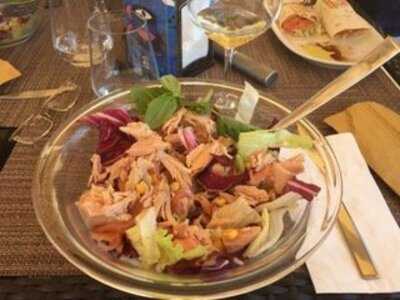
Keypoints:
pixel 180 47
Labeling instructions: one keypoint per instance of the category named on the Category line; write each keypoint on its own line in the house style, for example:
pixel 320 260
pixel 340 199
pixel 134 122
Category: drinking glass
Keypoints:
pixel 68 27
pixel 233 23
pixel 121 51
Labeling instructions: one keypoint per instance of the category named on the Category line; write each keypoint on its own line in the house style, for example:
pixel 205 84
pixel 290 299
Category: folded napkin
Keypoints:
pixel 377 131
pixel 332 267
pixel 7 72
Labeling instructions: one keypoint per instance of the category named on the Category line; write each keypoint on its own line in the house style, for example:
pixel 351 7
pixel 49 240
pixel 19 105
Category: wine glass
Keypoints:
pixel 233 23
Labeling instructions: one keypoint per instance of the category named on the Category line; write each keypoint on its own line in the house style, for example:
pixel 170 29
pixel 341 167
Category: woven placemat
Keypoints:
pixel 24 249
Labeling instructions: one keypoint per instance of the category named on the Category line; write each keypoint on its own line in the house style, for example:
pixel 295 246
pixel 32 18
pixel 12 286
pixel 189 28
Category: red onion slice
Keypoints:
pixel 307 190
pixel 190 138
pixel 112 142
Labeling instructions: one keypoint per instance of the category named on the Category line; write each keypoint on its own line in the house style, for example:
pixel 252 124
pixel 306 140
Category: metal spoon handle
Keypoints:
pixel 376 58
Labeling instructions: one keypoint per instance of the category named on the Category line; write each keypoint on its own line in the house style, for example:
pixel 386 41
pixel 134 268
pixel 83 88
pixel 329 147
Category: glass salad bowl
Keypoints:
pixel 63 171
pixel 19 20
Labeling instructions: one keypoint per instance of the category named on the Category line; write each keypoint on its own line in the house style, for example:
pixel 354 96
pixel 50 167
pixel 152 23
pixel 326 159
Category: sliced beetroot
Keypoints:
pixel 185 267
pixel 224 160
pixel 215 182
pixel 307 190
pixel 128 249
pixel 112 142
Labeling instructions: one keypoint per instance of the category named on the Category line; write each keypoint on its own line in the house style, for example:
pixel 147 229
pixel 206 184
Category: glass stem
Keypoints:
pixel 228 61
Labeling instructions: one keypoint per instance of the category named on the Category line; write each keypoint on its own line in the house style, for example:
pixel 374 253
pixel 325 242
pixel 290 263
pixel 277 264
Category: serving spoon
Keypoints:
pixel 385 51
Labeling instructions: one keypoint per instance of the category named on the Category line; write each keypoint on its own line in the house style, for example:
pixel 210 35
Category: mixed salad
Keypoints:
pixel 18 19
pixel 177 187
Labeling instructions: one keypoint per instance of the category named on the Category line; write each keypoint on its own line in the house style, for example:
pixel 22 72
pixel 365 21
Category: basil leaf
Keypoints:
pixel 227 126
pixel 202 105
pixel 170 83
pixel 160 110
pixel 201 108
pixel 142 96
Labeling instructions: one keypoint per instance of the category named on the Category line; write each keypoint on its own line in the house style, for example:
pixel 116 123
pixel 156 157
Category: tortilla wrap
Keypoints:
pixel 301 13
pixel 340 19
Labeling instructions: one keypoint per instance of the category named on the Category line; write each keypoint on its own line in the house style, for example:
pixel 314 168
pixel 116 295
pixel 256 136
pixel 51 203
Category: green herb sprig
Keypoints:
pixel 158 104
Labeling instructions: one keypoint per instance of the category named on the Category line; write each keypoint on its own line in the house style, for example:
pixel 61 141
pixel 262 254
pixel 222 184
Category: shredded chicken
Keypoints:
pixel 119 171
pixel 204 126
pixel 235 240
pixel 109 241
pixel 252 194
pixel 229 198
pixel 234 215
pixel 278 174
pixel 202 155
pixel 171 126
pixel 99 174
pixel 147 146
pixel 181 203
pixel 260 159
pixel 162 195
pixel 177 170
pixel 139 171
pixel 190 236
pixel 99 207
pixel 138 130
pixel 204 203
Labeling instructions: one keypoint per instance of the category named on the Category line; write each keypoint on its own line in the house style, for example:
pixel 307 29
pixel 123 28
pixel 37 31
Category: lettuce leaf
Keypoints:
pixel 196 252
pixel 142 238
pixel 266 240
pixel 237 214
pixel 253 249
pixel 230 127
pixel 249 142
pixel 170 253
pixel 156 246
pixel 247 103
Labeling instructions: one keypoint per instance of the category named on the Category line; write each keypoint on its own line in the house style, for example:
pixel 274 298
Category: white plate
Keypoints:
pixel 359 46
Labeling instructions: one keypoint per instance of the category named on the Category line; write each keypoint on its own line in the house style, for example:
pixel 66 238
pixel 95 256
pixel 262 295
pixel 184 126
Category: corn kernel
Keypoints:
pixel 175 186
pixel 230 234
pixel 219 201
pixel 141 188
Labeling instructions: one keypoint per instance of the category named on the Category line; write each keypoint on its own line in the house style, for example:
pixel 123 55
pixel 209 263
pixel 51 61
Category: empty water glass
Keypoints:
pixel 121 51
pixel 69 32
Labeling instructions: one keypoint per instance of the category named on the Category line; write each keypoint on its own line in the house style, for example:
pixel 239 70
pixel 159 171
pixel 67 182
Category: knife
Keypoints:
pixel 356 246
pixel 256 70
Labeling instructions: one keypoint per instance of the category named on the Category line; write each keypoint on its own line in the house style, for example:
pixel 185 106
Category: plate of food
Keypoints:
pixel 155 192
pixel 329 33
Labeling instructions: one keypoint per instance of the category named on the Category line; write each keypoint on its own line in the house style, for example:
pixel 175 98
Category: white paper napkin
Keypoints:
pixel 332 267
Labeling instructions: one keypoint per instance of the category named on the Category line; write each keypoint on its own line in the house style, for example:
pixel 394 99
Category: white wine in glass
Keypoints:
pixel 233 23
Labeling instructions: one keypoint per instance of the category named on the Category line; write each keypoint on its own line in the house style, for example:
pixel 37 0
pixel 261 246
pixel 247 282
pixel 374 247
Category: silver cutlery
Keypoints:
pixel 385 51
